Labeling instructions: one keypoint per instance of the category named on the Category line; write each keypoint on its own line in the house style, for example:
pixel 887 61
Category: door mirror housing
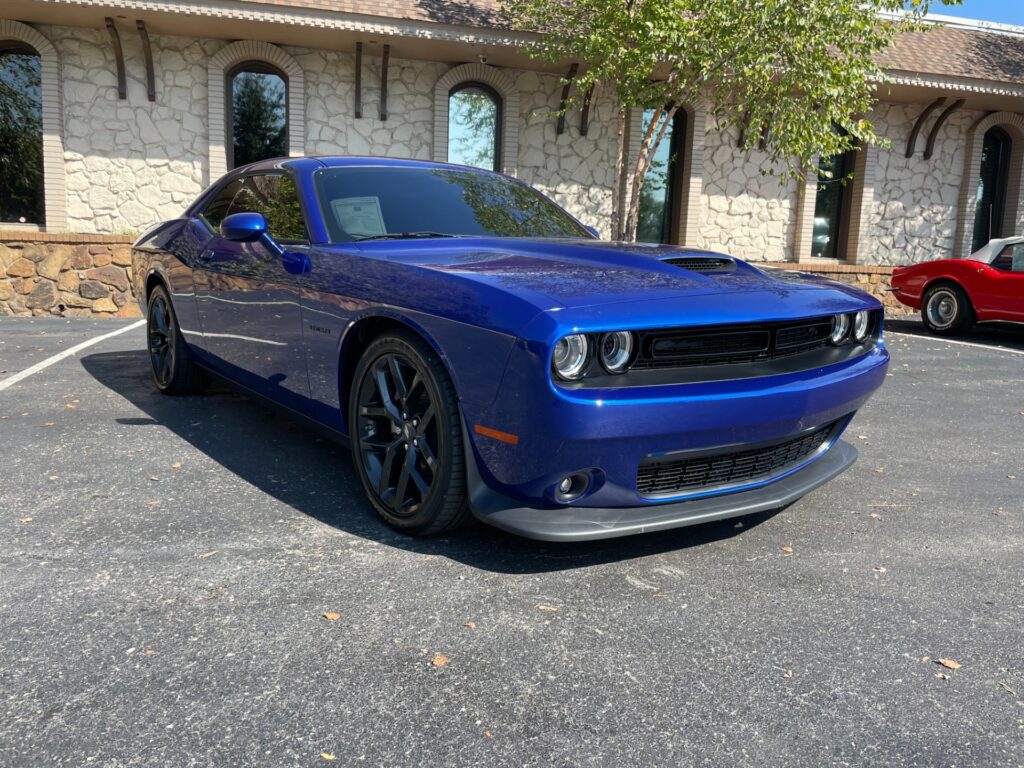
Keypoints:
pixel 244 227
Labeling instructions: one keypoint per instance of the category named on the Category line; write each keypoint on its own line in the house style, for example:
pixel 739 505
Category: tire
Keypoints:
pixel 406 435
pixel 172 369
pixel 946 309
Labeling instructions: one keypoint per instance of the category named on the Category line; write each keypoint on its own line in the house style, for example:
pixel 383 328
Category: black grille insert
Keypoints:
pixel 664 476
pixel 702 263
pixel 724 345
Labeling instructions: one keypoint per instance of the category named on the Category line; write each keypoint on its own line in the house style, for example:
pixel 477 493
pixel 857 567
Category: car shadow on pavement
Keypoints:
pixel 315 476
pixel 993 334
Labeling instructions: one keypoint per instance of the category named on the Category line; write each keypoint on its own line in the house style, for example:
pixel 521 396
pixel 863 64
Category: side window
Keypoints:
pixel 275 196
pixel 1010 259
pixel 217 209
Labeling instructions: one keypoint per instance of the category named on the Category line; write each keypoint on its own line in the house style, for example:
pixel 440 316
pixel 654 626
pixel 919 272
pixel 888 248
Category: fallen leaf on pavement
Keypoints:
pixel 327 755
pixel 54 477
pixel 439 660
pixel 874 515
pixel 176 465
pixel 470 625
pixel 70 405
pixel 880 569
pixel 154 478
pixel 149 651
pixel 47 424
pixel 788 673
pixel 926 658
pixel 862 437
pixel 208 554
pixel 948 663
pixel 488 734
pixel 942 676
pixel 880 470
pixel 788 550
pixel 26 519
pixel 1011 477
pixel 550 608
pixel 332 615
pixel 1007 688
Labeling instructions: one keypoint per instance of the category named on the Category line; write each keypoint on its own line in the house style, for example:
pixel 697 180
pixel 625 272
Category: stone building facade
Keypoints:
pixel 135 109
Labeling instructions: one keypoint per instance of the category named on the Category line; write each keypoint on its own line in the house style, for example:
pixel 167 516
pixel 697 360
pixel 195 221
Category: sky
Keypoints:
pixel 1003 11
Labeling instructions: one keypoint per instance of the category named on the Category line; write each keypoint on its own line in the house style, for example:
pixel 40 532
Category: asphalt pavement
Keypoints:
pixel 166 565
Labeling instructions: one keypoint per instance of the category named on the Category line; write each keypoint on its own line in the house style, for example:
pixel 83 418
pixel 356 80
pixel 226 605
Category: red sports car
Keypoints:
pixel 953 294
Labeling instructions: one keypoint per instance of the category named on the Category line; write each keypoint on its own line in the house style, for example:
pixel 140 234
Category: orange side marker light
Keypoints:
pixel 497 434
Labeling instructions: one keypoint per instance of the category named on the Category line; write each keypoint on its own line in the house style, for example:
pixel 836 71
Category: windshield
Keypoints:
pixel 378 202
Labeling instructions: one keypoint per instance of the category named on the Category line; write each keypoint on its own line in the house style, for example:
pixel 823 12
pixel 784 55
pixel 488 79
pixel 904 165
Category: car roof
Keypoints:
pixel 349 161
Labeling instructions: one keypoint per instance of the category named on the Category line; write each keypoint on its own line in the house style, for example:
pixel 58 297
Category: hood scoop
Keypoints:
pixel 702 263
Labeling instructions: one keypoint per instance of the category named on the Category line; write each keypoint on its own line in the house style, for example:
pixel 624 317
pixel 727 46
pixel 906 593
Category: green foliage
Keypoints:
pixel 784 70
pixel 21 139
pixel 258 121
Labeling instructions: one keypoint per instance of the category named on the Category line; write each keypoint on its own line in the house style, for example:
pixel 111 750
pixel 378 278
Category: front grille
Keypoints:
pixel 702 263
pixel 665 476
pixel 724 345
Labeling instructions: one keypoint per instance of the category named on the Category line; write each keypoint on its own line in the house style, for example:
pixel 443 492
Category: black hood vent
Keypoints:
pixel 702 263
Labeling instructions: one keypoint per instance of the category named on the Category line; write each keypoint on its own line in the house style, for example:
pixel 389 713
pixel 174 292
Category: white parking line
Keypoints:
pixel 954 341
pixel 10 381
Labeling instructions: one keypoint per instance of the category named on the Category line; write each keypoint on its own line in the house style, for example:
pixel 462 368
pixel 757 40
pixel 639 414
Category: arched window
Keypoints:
pixel 832 206
pixel 474 126
pixel 257 113
pixel 22 198
pixel 658 220
pixel 990 196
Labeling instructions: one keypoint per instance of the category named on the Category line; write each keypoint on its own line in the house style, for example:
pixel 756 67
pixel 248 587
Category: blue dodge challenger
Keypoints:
pixel 485 354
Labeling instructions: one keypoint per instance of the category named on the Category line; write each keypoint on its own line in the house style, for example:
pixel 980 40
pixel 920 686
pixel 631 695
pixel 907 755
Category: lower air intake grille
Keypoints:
pixel 667 477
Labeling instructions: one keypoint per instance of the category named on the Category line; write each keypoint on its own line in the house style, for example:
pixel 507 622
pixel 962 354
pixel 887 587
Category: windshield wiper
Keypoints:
pixel 403 236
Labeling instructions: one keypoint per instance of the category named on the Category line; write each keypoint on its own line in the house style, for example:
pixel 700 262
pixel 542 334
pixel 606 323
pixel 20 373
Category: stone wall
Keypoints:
pixel 69 276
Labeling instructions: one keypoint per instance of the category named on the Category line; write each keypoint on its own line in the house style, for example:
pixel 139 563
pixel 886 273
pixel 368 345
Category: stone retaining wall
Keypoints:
pixel 88 275
pixel 65 275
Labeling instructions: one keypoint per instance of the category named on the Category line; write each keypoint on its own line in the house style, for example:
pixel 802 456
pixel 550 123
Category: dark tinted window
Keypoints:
pixel 275 196
pixel 259 113
pixel 373 201
pixel 215 211
pixel 990 195
pixel 21 136
pixel 657 206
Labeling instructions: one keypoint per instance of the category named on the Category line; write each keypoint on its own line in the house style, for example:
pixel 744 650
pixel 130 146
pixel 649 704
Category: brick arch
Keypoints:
pixel 220 64
pixel 506 89
pixel 55 196
pixel 1013 218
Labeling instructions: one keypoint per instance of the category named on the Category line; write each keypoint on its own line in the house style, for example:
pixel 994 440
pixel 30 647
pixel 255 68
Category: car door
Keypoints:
pixel 248 296
pixel 1003 291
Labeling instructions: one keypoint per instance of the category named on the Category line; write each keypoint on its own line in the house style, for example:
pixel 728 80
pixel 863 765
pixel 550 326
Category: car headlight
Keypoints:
pixel 616 351
pixel 840 327
pixel 571 356
pixel 861 324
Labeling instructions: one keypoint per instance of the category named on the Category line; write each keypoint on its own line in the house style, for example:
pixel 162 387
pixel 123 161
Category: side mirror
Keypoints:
pixel 243 227
pixel 593 231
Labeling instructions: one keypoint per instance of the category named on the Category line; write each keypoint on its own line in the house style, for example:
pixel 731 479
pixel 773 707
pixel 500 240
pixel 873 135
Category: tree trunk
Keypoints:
pixel 648 148
pixel 618 183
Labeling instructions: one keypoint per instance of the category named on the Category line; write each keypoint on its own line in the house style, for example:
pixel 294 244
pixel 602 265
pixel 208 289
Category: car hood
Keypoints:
pixel 570 274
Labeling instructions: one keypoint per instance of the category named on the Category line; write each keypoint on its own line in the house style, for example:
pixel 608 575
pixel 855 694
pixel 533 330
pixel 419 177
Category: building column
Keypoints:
pixel 804 230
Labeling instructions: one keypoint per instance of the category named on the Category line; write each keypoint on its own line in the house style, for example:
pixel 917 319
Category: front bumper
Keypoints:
pixel 571 523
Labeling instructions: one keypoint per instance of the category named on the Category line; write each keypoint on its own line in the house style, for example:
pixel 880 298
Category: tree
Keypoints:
pixel 784 72
pixel 258 121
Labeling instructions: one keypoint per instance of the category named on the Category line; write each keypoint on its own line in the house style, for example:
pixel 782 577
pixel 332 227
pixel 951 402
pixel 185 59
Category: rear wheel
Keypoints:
pixel 946 309
pixel 406 436
pixel 173 371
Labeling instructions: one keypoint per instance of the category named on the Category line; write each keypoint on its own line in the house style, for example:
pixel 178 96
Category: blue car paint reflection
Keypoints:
pixel 493 309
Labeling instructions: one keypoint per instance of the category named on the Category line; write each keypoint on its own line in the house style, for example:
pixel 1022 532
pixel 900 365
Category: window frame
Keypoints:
pixel 199 212
pixel 256 66
pixel 499 117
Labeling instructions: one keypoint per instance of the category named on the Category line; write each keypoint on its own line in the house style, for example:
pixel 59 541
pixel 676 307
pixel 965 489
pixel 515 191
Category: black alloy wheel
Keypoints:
pixel 406 436
pixel 173 371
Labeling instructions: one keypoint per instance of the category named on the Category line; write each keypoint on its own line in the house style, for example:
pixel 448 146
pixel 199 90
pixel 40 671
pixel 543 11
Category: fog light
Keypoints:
pixel 572 487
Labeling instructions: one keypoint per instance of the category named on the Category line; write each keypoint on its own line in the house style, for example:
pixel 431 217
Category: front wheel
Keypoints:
pixel 173 371
pixel 406 436
pixel 946 309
